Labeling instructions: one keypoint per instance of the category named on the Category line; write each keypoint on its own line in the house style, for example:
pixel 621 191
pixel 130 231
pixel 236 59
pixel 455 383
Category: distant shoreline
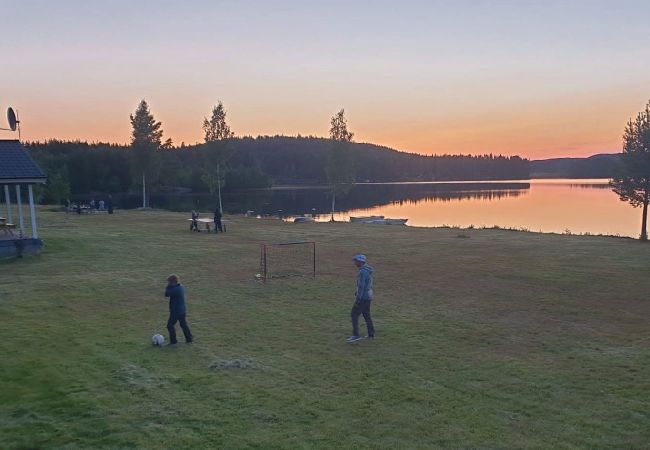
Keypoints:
pixel 385 183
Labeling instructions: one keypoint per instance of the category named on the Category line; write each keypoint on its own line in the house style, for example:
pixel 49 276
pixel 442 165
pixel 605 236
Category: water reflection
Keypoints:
pixel 581 206
pixel 286 202
pixel 590 185
pixel 469 195
pixel 577 206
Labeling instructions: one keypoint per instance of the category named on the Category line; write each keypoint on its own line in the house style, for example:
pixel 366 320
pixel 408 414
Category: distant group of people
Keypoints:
pixel 362 299
pixel 217 220
pixel 101 205
pixel 97 205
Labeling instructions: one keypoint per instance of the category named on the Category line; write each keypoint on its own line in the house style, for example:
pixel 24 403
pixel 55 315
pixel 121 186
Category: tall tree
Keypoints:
pixel 217 128
pixel 217 133
pixel 145 141
pixel 632 184
pixel 340 162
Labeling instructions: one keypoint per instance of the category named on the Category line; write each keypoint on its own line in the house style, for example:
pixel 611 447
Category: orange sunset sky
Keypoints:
pixel 538 79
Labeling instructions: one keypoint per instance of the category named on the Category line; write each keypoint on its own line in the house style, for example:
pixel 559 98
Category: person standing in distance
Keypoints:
pixel 363 298
pixel 177 310
pixel 194 225
pixel 218 227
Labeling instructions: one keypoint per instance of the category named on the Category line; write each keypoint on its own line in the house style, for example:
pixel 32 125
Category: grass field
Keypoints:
pixel 486 339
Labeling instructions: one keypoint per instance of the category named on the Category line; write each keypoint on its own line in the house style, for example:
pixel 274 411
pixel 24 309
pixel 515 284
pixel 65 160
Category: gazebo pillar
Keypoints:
pixel 32 211
pixel 21 222
pixel 8 201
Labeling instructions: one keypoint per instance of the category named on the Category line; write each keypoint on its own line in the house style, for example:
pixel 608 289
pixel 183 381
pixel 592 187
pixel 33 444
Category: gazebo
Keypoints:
pixel 17 172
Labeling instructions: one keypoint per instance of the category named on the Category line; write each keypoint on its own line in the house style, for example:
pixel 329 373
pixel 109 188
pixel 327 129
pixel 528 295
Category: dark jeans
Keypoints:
pixel 357 310
pixel 171 327
pixel 218 226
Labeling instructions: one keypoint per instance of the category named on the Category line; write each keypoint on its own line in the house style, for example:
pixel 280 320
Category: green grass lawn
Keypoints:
pixel 495 340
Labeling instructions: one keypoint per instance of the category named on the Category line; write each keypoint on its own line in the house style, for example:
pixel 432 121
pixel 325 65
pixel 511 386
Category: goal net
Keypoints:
pixel 290 259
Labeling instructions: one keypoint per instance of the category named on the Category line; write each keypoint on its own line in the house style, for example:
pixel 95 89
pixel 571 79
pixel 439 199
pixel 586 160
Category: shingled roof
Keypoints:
pixel 16 166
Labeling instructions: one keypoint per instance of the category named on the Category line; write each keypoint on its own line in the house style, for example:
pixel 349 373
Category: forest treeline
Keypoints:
pixel 597 166
pixel 76 168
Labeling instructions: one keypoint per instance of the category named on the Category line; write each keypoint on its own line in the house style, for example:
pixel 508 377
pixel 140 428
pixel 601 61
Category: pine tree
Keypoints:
pixel 145 141
pixel 217 128
pixel 340 163
pixel 217 132
pixel 632 184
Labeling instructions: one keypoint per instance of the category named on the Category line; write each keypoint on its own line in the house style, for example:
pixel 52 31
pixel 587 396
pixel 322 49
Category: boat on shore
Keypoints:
pixel 378 220
pixel 304 219
pixel 387 222
pixel 365 219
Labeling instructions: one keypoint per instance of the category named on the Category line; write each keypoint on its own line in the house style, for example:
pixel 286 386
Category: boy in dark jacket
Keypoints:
pixel 362 300
pixel 177 310
pixel 218 226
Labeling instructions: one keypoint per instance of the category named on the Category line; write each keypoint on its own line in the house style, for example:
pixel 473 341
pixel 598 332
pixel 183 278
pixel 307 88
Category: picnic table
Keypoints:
pixel 208 223
pixel 7 228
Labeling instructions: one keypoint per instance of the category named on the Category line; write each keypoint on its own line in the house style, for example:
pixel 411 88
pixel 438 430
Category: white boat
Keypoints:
pixel 388 222
pixel 303 219
pixel 365 219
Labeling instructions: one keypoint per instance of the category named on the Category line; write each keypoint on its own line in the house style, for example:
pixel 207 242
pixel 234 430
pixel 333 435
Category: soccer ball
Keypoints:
pixel 158 340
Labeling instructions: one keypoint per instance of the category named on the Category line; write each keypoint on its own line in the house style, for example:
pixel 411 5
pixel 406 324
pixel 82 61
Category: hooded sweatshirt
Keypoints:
pixel 364 284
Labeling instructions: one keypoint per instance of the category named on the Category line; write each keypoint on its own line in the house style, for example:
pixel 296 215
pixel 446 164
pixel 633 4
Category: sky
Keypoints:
pixel 539 79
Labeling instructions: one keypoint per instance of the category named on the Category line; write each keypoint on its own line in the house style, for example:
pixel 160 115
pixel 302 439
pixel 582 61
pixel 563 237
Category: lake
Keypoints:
pixel 576 205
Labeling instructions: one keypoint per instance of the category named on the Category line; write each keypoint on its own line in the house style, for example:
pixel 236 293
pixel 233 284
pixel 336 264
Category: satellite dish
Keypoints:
pixel 14 123
pixel 11 117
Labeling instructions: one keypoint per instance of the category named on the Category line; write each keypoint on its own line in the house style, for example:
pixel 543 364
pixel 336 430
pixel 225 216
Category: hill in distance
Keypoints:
pixel 603 165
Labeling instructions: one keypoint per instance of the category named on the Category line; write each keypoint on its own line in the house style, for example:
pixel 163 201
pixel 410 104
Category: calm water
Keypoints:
pixel 581 206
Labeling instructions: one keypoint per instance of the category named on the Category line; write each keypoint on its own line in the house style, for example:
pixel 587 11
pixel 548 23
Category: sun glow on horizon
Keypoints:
pixel 514 78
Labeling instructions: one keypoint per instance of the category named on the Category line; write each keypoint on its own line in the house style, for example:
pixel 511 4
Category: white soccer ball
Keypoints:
pixel 158 340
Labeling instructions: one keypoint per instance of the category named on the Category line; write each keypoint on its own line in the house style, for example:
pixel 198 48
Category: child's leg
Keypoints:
pixel 186 329
pixel 366 315
pixel 356 311
pixel 171 328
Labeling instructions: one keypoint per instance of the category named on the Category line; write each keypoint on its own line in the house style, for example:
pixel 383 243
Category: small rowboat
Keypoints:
pixel 365 219
pixel 303 219
pixel 388 222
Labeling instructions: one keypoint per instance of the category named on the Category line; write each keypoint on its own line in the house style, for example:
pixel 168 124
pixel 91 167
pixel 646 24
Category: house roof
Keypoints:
pixel 16 166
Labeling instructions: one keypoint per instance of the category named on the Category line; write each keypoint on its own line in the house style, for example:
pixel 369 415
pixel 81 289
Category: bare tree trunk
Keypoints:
pixel 644 220
pixel 144 191
pixel 333 205
pixel 219 188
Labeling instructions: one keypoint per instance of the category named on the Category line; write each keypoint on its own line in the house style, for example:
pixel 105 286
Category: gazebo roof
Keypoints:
pixel 16 166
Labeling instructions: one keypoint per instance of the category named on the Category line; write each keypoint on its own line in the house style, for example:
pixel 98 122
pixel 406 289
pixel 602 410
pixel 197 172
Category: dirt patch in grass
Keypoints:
pixel 136 377
pixel 234 364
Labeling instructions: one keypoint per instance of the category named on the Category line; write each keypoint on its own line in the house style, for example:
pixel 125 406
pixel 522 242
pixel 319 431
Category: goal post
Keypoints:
pixel 288 259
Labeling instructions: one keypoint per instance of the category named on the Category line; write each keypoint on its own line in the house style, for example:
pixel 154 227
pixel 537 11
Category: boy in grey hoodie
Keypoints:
pixel 363 298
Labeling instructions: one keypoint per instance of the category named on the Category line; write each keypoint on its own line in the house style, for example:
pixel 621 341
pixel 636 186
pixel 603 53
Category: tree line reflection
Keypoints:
pixel 294 201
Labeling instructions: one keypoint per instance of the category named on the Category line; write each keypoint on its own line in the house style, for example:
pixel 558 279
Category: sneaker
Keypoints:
pixel 172 343
pixel 354 338
pixel 370 336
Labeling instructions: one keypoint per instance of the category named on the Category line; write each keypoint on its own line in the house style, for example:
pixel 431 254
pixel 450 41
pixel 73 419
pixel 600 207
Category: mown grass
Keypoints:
pixel 497 340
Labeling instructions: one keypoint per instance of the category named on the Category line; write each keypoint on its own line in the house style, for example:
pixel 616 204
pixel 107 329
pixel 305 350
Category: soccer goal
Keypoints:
pixel 290 259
